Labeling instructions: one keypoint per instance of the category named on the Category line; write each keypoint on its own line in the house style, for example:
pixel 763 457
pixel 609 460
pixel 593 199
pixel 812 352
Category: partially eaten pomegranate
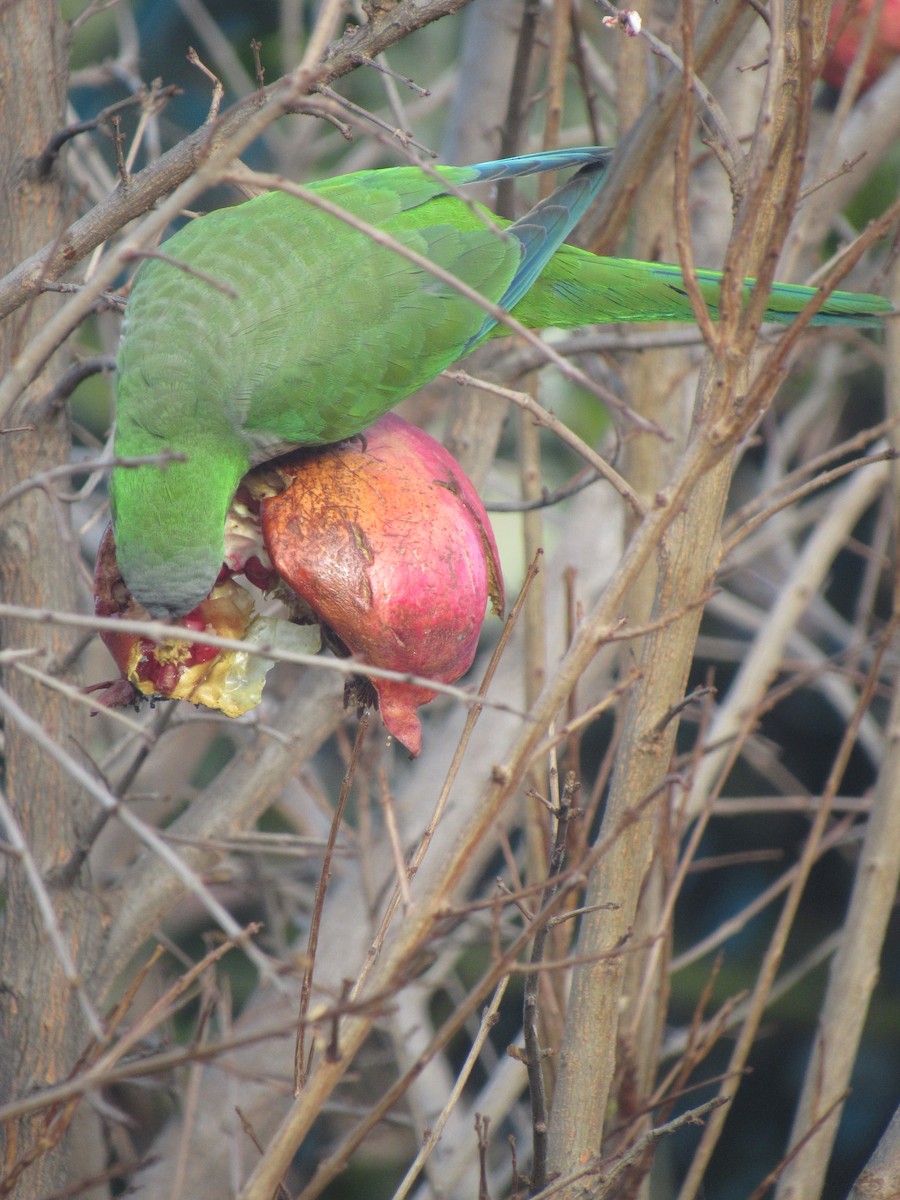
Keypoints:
pixel 382 539
pixel 387 541
pixel 178 669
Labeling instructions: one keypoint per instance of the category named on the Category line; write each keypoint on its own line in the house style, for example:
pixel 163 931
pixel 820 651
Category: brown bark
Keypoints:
pixel 688 558
pixel 42 1028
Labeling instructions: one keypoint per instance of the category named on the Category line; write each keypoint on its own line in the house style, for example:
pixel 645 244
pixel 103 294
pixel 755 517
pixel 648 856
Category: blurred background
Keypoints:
pixel 822 717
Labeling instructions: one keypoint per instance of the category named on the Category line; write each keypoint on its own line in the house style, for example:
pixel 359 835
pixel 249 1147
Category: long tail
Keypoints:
pixel 567 287
pixel 579 288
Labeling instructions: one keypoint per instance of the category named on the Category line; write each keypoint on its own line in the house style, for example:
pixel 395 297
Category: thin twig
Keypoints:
pixel 159 631
pixel 150 838
pixel 488 1021
pixel 562 431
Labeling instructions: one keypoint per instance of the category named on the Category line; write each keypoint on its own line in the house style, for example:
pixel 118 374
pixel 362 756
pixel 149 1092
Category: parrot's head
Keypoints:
pixel 169 525
pixel 169 588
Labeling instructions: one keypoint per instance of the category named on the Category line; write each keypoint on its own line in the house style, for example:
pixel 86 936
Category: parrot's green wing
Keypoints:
pixel 275 324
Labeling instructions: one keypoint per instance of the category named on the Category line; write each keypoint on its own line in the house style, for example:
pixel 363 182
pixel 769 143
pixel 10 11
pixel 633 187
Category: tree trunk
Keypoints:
pixel 42 1028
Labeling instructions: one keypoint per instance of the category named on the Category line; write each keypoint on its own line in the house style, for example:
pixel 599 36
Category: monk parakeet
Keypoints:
pixel 275 324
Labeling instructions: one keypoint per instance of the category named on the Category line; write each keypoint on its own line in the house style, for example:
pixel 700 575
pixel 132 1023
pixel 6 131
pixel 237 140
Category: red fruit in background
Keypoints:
pixel 844 35
pixel 387 541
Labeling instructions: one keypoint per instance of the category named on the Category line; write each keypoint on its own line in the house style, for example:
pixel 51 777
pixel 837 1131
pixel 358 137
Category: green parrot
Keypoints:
pixel 273 324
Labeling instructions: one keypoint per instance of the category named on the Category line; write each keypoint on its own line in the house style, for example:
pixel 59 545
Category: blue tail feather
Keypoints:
pixel 543 230
pixel 531 164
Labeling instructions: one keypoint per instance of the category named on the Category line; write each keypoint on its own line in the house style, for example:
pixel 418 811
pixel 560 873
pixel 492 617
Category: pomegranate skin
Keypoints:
pixel 387 541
